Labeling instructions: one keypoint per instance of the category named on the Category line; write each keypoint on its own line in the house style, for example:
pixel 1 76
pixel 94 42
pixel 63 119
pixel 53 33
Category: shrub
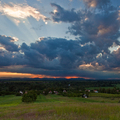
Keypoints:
pixel 18 94
pixel 31 96
pixel 46 92
pixel 38 92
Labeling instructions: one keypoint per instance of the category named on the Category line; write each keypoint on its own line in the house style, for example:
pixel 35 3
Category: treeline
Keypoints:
pixel 109 90
pixel 72 87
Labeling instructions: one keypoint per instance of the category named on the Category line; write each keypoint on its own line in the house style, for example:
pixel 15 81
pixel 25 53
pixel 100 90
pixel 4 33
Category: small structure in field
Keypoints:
pixel 69 85
pixel 88 90
pixel 50 92
pixel 56 92
pixel 64 91
pixel 84 96
pixel 21 92
pixel 95 91
pixel 117 90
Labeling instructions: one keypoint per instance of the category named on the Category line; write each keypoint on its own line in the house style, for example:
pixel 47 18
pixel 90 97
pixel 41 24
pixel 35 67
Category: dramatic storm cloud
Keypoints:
pixel 60 14
pixel 8 43
pixel 92 50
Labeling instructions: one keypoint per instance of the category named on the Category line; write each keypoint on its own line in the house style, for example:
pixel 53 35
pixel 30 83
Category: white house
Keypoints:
pixel 21 92
pixel 95 91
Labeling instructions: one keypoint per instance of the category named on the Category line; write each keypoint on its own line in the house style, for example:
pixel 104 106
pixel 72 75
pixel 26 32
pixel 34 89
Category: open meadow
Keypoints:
pixel 55 107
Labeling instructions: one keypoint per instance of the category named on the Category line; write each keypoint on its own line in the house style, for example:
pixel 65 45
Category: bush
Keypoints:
pixel 31 96
pixel 38 92
pixel 18 94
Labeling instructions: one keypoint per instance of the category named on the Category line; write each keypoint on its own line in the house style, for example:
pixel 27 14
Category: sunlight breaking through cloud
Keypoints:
pixel 21 11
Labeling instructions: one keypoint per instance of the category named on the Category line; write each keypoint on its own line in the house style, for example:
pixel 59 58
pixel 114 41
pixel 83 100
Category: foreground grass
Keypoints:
pixel 53 107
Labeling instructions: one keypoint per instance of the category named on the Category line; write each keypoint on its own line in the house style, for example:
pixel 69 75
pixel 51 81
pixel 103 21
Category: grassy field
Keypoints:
pixel 92 88
pixel 54 107
pixel 105 95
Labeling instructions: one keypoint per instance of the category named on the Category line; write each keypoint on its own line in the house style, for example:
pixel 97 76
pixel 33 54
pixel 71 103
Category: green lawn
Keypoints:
pixel 117 85
pixel 10 100
pixel 54 107
pixel 106 95
pixel 93 88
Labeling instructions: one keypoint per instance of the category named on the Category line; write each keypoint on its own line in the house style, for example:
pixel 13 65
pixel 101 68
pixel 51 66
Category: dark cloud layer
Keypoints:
pixel 61 51
pixel 102 29
pixel 63 56
pixel 63 15
pixel 8 43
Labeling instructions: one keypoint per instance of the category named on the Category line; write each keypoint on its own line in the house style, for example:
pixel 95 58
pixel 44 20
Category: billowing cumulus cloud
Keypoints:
pixel 92 26
pixel 8 43
pixel 114 60
pixel 21 11
pixel 10 52
pixel 8 58
pixel 119 15
pixel 60 57
pixel 52 50
pixel 100 28
pixel 60 14
pixel 51 53
pixel 97 3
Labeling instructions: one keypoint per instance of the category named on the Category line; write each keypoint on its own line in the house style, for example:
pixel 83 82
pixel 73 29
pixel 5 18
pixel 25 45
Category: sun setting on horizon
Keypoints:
pixel 25 75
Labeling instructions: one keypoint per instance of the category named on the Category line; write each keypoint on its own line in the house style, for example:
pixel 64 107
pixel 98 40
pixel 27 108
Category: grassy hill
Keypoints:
pixel 54 107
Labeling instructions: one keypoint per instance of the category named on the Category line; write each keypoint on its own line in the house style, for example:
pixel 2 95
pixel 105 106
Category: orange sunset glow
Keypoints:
pixel 13 75
pixel 25 75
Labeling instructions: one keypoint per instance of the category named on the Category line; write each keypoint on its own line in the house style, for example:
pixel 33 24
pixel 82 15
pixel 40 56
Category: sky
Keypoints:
pixel 60 39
